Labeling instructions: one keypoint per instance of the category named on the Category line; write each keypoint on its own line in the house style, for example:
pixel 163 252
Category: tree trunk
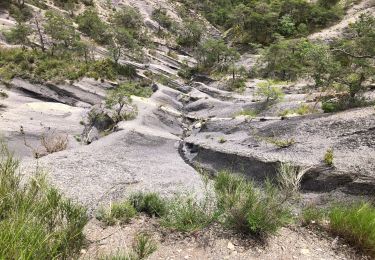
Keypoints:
pixel 40 35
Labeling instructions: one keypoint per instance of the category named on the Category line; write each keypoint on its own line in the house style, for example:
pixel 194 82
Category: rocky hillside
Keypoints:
pixel 111 98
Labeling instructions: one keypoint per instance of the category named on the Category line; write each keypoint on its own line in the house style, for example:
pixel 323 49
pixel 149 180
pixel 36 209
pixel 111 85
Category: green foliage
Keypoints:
pixel 247 208
pixel 186 214
pixel 356 224
pixel 269 92
pixel 36 222
pixel 117 99
pixel 150 203
pixel 19 34
pixel 262 22
pixel 328 157
pixel 190 34
pixel 143 246
pixel 344 67
pixel 215 53
pixel 90 23
pixel 161 16
pixel 40 66
pixel 117 213
pixel 60 29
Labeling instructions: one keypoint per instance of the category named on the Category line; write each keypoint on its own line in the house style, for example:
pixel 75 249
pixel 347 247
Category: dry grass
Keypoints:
pixel 53 142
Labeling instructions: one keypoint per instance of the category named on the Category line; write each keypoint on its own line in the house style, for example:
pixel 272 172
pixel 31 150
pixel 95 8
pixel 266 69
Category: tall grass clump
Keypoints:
pixel 116 213
pixel 149 203
pixel 249 209
pixel 289 177
pixel 356 224
pixel 187 214
pixel 36 222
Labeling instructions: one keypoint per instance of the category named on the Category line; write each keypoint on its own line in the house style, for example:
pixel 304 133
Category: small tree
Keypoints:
pixel 60 29
pixel 122 40
pixel 19 34
pixel 190 34
pixel 215 53
pixel 268 91
pixel 90 23
pixel 117 99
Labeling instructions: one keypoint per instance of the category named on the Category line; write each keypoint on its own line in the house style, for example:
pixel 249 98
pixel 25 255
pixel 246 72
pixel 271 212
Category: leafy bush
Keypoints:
pixel 247 208
pixel 269 92
pixel 355 223
pixel 161 16
pixel 36 222
pixel 263 21
pixel 186 214
pixel 40 66
pixel 90 23
pixel 118 212
pixel 150 203
pixel 190 34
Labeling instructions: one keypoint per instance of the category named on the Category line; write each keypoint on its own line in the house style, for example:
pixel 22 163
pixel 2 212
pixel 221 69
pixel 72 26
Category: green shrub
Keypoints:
pixel 150 203
pixel 186 214
pixel 328 157
pixel 161 16
pixel 118 212
pixel 269 92
pixel 355 223
pixel 40 66
pixel 36 222
pixel 91 24
pixel 247 208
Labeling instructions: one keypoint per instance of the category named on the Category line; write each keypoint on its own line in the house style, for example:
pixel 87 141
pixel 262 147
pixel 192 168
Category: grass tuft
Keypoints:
pixel 117 213
pixel 36 222
pixel 150 203
pixel 187 214
pixel 356 224
pixel 248 209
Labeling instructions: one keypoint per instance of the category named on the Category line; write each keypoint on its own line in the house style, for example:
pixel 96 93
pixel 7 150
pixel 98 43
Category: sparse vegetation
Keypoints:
pixel 222 140
pixel 142 247
pixel 328 157
pixel 247 112
pixel 280 143
pixel 54 142
pixel 36 221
